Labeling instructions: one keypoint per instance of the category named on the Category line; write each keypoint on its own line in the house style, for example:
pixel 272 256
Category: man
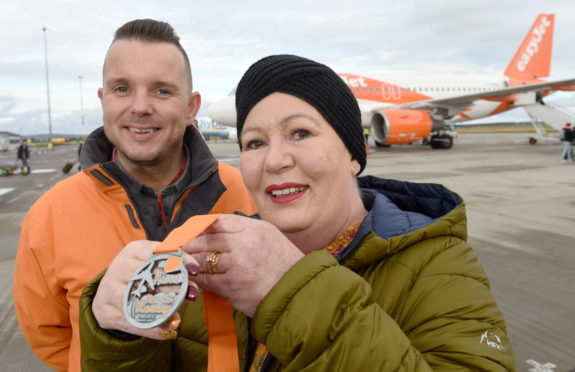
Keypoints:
pixel 23 156
pixel 145 172
pixel 566 138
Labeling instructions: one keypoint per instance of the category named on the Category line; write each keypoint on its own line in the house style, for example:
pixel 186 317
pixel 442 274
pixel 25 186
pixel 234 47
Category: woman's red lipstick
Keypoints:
pixel 286 192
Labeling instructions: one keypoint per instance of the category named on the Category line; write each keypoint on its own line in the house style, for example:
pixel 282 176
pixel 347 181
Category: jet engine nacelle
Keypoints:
pixel 394 127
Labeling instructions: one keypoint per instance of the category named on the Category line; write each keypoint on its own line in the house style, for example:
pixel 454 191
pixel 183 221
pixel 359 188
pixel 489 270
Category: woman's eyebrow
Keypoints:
pixel 295 115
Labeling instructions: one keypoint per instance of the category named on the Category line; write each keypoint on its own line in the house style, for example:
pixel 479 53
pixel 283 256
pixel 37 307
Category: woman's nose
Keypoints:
pixel 278 157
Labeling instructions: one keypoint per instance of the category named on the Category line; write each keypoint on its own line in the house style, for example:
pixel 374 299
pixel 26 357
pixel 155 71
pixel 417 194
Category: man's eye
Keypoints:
pixel 122 89
pixel 163 91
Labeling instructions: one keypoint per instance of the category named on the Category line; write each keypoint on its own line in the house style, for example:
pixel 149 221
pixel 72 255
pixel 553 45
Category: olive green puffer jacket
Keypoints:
pixel 407 295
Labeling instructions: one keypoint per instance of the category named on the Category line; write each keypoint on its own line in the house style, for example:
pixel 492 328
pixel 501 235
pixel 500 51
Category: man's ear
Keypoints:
pixel 100 93
pixel 194 103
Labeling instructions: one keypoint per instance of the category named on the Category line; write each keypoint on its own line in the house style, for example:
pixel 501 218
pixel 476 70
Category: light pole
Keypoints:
pixel 81 104
pixel 47 84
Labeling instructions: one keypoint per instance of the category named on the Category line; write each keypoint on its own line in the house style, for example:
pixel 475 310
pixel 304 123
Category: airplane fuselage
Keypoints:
pixel 380 90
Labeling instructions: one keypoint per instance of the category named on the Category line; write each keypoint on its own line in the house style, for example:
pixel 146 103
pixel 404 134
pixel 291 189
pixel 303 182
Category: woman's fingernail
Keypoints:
pixel 193 269
pixel 192 294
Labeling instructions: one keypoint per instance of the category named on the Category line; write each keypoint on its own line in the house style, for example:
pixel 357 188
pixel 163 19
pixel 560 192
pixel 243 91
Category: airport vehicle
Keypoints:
pixel 215 133
pixel 9 142
pixel 406 109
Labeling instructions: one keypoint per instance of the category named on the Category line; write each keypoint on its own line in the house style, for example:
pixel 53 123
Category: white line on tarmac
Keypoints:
pixel 47 170
pixel 5 190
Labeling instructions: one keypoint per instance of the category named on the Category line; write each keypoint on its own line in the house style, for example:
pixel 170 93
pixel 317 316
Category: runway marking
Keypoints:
pixel 47 170
pixel 5 190
pixel 538 367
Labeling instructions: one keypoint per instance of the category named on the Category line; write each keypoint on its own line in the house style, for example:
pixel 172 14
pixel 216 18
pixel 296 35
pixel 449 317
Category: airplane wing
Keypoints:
pixel 447 107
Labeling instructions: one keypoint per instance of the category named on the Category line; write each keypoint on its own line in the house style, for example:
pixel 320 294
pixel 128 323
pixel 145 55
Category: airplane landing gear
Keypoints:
pixel 441 142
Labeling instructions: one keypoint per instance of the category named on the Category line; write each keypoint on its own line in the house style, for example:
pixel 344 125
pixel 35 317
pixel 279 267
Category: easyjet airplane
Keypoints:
pixel 405 109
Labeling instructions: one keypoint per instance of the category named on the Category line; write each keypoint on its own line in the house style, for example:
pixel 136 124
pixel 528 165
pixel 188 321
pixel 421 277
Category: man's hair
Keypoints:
pixel 151 30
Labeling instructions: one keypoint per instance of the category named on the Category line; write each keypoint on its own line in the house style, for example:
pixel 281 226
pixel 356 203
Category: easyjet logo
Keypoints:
pixel 533 46
pixel 354 82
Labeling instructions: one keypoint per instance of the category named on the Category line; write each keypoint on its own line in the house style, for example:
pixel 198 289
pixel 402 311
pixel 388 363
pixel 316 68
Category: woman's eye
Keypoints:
pixel 254 144
pixel 300 134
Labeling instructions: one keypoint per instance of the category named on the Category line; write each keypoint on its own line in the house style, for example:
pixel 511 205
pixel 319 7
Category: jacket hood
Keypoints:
pixel 401 214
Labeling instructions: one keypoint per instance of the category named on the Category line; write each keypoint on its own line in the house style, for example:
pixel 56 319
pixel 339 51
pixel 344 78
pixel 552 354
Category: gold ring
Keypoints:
pixel 171 332
pixel 168 333
pixel 212 261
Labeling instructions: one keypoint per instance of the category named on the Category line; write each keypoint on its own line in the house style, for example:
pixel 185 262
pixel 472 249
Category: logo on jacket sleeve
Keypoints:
pixel 491 340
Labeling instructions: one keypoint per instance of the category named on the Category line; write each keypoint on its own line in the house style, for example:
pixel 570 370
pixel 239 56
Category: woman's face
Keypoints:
pixel 296 167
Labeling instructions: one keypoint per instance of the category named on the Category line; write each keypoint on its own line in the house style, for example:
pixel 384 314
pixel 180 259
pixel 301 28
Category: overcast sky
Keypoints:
pixel 223 38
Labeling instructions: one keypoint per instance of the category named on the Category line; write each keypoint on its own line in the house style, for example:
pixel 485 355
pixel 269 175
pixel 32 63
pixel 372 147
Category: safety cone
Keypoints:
pixel 367 149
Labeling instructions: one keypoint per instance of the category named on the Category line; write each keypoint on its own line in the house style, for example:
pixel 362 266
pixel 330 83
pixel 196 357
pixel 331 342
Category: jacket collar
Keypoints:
pixel 98 150
pixel 401 213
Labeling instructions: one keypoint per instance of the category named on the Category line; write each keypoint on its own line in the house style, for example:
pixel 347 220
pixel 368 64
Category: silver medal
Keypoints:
pixel 156 291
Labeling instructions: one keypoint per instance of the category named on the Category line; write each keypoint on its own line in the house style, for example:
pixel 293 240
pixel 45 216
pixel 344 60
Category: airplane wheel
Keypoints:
pixel 441 142
pixel 381 144
pixel 532 141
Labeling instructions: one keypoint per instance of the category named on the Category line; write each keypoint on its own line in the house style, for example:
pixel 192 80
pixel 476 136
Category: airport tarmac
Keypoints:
pixel 521 218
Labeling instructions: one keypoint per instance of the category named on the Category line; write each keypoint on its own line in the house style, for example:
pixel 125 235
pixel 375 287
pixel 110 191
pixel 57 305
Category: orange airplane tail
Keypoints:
pixel 533 58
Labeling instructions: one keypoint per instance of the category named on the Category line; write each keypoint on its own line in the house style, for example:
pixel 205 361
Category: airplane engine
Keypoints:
pixel 394 127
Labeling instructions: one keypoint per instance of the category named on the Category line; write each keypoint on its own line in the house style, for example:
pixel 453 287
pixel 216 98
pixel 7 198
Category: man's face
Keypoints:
pixel 147 102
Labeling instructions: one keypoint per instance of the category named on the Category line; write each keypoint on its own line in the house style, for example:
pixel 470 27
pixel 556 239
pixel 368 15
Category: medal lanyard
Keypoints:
pixel 218 312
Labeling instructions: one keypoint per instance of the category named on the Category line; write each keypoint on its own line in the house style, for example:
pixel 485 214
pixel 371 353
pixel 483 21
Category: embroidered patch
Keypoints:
pixel 491 340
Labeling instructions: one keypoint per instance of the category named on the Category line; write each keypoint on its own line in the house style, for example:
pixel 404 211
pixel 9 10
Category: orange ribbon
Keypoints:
pixel 218 313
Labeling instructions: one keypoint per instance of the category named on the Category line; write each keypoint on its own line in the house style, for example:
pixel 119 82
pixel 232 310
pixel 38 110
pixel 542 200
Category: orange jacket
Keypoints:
pixel 73 232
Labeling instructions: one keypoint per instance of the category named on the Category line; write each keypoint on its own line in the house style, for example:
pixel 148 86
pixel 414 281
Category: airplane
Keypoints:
pixel 405 109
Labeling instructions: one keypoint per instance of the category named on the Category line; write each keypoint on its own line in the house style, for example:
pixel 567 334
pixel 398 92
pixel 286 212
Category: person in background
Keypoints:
pixel 23 155
pixel 342 273
pixel 145 172
pixel 566 138
pixel 80 145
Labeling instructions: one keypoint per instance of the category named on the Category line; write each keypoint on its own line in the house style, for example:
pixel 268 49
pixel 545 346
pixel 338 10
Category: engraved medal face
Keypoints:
pixel 156 291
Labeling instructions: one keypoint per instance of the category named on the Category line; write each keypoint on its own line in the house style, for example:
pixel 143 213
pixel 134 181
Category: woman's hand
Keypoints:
pixel 253 256
pixel 108 306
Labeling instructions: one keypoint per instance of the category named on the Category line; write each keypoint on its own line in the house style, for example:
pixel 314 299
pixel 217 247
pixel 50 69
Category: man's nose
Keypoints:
pixel 141 104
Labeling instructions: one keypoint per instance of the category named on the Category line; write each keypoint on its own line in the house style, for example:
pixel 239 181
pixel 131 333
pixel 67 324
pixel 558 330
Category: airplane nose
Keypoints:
pixel 224 111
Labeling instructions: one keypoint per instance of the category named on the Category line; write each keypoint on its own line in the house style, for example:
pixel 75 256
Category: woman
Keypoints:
pixel 336 276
